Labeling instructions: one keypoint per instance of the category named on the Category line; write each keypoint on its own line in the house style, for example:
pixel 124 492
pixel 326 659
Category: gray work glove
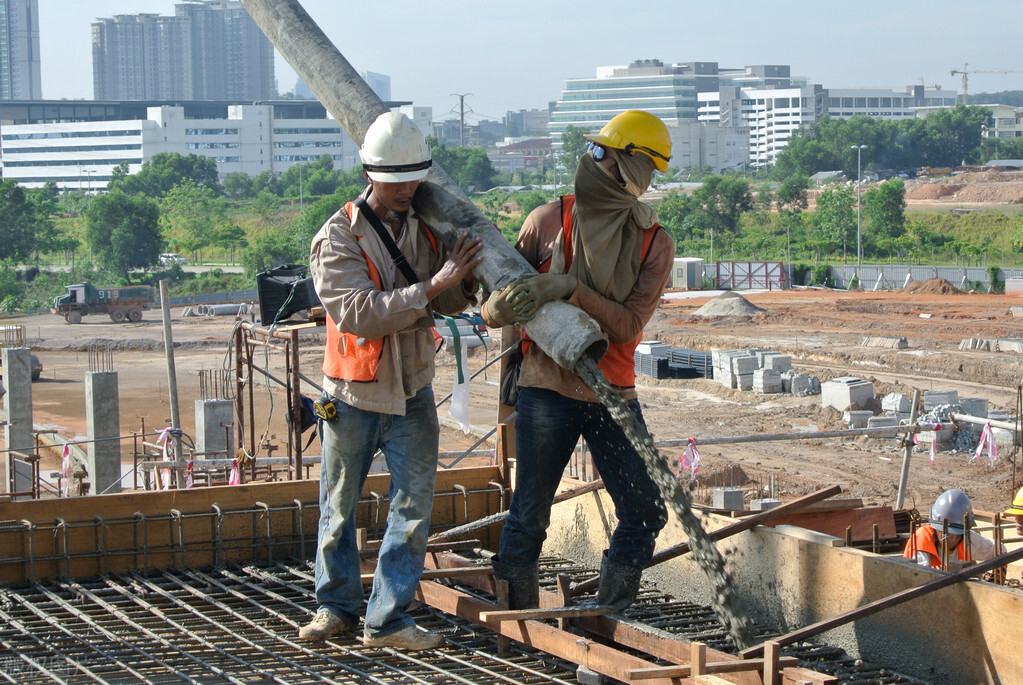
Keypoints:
pixel 500 311
pixel 532 291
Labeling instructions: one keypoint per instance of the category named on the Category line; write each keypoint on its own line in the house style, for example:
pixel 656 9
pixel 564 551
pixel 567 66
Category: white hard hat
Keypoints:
pixel 395 150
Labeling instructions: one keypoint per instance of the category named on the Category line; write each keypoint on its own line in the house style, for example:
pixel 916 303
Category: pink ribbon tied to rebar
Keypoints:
pixel 987 438
pixel 691 458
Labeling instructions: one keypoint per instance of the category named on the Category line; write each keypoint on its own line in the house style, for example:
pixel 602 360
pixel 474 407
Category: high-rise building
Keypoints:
pixel 19 50
pixel 209 50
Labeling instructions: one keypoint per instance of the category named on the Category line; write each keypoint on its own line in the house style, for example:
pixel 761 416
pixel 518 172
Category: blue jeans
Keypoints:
pixel 409 444
pixel 547 428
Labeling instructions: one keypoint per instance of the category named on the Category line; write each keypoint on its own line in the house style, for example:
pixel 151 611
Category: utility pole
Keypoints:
pixel 859 245
pixel 461 116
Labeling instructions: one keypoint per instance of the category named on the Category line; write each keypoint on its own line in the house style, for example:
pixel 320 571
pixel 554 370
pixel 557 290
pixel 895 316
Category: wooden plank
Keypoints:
pixel 835 522
pixel 543 614
pixel 738 666
pixel 793 675
pixel 593 655
pixel 888 602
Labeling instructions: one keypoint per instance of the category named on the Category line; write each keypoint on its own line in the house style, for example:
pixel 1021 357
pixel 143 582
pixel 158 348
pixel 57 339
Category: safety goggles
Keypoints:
pixel 653 153
pixel 597 151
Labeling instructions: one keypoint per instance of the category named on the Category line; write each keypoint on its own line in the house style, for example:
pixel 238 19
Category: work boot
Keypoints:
pixel 325 624
pixel 619 584
pixel 523 583
pixel 411 638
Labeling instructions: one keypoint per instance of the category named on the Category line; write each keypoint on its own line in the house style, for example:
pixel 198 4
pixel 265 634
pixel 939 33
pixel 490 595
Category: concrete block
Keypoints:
pixel 17 380
pixel 982 344
pixel 214 438
pixel 804 384
pixel 763 504
pixel 857 418
pixel 936 398
pixel 730 499
pixel 974 406
pixel 743 365
pixel 767 381
pixel 896 402
pixel 744 381
pixel 892 342
pixel 776 361
pixel 103 422
pixel 1015 311
pixel 842 393
pixel 882 421
pixel 1010 345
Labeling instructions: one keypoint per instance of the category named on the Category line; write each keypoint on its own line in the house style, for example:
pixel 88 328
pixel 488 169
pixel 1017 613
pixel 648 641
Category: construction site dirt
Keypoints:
pixel 822 330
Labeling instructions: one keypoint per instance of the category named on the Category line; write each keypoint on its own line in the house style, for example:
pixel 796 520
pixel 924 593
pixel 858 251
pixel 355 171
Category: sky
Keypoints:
pixel 507 56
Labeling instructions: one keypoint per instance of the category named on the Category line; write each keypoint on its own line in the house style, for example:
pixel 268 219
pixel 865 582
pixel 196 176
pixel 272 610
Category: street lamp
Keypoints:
pixel 859 245
pixel 88 179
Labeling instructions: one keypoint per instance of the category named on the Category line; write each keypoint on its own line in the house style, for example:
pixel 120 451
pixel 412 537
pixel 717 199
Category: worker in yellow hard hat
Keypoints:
pixel 1016 510
pixel 603 251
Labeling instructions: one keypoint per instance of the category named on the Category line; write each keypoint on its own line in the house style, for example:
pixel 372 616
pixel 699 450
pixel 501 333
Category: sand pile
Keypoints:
pixel 931 191
pixel 932 286
pixel 729 303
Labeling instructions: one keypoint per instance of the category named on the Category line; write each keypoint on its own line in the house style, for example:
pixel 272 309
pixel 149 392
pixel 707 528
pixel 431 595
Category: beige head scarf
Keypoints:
pixel 608 221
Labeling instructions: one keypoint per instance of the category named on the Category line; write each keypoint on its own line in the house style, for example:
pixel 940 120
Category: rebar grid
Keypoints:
pixel 230 625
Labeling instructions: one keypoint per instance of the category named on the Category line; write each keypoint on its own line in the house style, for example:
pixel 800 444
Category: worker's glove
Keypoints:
pixel 533 291
pixel 500 311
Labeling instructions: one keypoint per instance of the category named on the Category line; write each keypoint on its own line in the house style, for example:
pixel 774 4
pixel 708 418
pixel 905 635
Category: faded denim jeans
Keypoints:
pixel 547 428
pixel 409 444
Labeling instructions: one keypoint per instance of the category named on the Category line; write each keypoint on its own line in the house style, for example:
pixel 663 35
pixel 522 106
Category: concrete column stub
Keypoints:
pixel 103 426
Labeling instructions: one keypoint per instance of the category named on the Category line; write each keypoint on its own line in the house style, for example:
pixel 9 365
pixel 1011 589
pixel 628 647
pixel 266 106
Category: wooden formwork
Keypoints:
pixel 86 536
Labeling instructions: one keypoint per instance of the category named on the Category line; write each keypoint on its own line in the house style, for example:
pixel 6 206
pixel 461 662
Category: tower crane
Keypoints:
pixel 966 71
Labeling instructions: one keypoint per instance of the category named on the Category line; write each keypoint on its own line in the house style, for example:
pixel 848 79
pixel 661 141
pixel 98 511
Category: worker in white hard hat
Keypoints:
pixel 378 367
pixel 1016 511
pixel 952 511
pixel 603 251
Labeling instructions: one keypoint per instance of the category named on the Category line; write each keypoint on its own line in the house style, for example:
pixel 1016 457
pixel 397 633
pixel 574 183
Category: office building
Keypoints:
pixel 78 144
pixel 209 50
pixel 19 50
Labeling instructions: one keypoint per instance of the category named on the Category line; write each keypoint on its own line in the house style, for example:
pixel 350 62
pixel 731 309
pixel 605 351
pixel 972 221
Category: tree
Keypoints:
pixel 884 207
pixel 123 231
pixel 269 251
pixel 18 219
pixel 190 216
pixel 573 146
pixel 469 168
pixel 231 237
pixel 168 169
pixel 834 222
pixel 238 186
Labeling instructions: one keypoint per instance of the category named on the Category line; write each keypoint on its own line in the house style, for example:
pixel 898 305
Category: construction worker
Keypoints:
pixel 603 251
pixel 378 366
pixel 1016 510
pixel 954 508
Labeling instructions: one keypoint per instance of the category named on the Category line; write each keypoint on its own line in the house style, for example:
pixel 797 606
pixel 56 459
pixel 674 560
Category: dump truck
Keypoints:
pixel 121 304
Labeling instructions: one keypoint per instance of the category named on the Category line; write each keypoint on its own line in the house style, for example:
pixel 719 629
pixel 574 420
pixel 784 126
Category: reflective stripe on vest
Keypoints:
pixel 923 541
pixel 618 365
pixel 344 357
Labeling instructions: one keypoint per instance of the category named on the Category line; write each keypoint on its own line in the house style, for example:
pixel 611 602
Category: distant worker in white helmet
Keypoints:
pixel 603 251
pixel 378 367
pixel 954 509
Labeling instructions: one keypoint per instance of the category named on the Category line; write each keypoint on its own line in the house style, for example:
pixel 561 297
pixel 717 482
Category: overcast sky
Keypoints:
pixel 517 55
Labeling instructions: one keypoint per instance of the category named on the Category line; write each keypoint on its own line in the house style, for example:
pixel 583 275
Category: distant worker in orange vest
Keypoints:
pixel 954 507
pixel 603 251
pixel 1016 510
pixel 378 367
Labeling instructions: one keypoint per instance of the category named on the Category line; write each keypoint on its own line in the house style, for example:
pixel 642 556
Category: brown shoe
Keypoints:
pixel 324 625
pixel 411 638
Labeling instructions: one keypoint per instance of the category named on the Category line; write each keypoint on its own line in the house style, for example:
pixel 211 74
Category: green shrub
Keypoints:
pixel 821 275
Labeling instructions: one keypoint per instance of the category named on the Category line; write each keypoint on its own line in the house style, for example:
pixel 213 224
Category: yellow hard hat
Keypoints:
pixel 634 130
pixel 1017 504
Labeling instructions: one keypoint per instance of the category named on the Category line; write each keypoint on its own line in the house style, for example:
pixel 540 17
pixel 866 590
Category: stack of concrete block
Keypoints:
pixel 776 361
pixel 937 398
pixel 896 403
pixel 767 381
pixel 892 342
pixel 844 392
pixel 882 422
pixel 974 406
pixel 654 348
pixel 726 371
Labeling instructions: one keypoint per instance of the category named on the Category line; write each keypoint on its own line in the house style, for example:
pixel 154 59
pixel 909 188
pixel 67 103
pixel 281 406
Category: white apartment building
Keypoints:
pixel 83 154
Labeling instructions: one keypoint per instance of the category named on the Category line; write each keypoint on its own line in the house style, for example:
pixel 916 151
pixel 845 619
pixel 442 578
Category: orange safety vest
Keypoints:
pixel 924 541
pixel 344 357
pixel 618 364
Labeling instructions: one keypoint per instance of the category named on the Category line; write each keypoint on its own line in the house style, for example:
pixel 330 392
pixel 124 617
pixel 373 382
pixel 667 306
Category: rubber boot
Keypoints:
pixel 619 584
pixel 523 584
